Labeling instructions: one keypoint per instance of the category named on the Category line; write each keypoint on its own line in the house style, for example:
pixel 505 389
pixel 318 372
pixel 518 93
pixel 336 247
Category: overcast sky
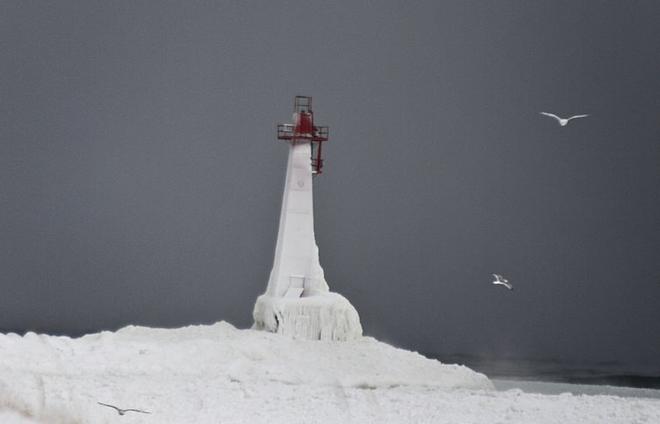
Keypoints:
pixel 141 178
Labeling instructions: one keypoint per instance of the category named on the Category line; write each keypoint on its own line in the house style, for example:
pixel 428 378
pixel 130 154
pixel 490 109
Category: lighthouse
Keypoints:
pixel 298 302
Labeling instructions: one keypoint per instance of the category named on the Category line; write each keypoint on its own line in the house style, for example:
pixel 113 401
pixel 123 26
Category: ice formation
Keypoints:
pixel 218 374
pixel 298 302
pixel 323 316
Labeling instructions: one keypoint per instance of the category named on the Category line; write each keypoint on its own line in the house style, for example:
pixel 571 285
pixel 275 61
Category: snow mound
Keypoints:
pixel 323 316
pixel 60 379
pixel 219 374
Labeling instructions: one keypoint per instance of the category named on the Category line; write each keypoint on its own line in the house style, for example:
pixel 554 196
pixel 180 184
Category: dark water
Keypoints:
pixel 606 373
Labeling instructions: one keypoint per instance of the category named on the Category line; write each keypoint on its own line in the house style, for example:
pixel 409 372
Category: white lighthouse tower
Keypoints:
pixel 298 301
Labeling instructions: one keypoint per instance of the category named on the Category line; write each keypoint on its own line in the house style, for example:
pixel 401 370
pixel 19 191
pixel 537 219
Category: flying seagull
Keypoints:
pixel 123 411
pixel 563 121
pixel 501 281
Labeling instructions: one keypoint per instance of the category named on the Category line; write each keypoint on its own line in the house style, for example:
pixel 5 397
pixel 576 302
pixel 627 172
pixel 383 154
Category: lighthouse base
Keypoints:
pixel 323 316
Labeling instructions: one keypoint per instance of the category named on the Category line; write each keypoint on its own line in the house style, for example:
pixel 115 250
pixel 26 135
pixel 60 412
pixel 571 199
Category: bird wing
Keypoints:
pixel 137 410
pixel 497 277
pixel 109 406
pixel 501 283
pixel 577 116
pixel 552 115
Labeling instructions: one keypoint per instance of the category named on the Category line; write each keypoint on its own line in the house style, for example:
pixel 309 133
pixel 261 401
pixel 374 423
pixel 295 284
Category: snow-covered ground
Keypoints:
pixel 218 374
pixel 554 388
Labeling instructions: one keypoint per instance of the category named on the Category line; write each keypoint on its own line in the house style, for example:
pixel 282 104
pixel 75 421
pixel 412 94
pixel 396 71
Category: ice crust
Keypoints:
pixel 324 316
pixel 218 374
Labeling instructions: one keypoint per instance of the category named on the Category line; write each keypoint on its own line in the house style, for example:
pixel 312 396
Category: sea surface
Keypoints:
pixel 606 374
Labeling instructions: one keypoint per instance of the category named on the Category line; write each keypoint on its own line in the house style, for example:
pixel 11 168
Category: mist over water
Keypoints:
pixel 556 370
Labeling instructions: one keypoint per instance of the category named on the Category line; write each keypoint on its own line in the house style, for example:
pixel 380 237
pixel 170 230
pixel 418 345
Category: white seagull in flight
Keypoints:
pixel 563 121
pixel 501 281
pixel 123 411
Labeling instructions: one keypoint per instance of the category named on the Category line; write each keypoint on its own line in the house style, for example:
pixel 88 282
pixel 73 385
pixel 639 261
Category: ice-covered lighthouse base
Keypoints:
pixel 322 316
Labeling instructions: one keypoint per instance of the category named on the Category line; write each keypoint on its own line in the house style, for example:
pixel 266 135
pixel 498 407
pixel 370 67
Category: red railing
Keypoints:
pixel 287 132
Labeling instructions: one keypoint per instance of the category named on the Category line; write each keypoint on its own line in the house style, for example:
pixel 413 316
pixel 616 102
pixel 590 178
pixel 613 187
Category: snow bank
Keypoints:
pixel 218 374
pixel 223 351
pixel 324 316
pixel 60 379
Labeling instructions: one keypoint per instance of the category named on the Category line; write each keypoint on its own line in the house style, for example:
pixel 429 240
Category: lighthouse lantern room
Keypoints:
pixel 303 129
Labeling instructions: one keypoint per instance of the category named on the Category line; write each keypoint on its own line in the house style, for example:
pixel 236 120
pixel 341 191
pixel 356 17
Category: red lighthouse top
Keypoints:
pixel 304 130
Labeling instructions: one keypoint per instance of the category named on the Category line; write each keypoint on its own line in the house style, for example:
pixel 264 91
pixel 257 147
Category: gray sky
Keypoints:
pixel 141 178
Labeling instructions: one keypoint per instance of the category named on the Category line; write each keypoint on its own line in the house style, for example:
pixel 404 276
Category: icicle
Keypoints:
pixel 326 316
